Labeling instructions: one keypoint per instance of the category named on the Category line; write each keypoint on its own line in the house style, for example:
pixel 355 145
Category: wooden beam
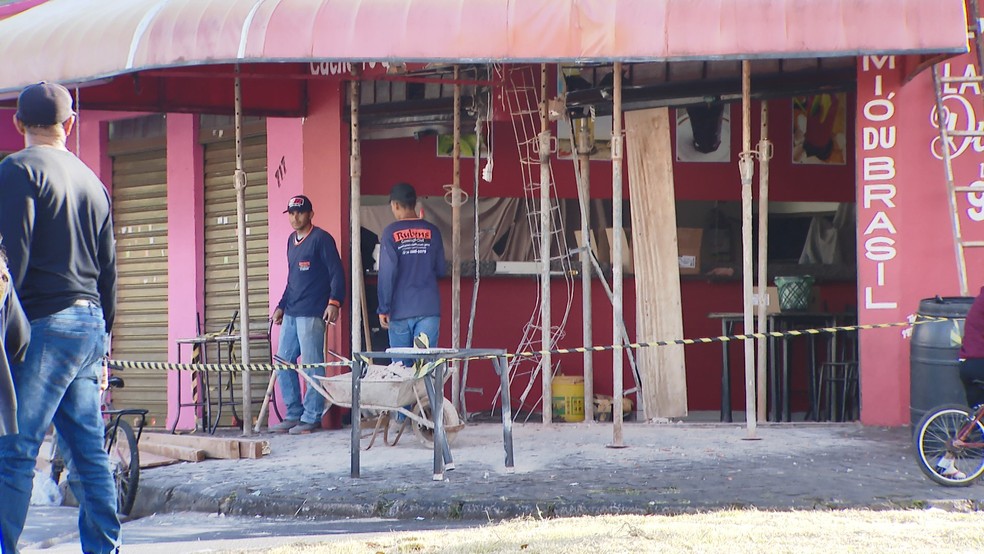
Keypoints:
pixel 456 242
pixel 184 453
pixel 746 166
pixel 254 449
pixel 214 447
pixel 617 319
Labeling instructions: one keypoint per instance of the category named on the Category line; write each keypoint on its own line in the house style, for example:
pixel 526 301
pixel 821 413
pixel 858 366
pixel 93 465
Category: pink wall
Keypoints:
pixel 186 255
pixel 10 139
pixel 326 182
pixel 905 242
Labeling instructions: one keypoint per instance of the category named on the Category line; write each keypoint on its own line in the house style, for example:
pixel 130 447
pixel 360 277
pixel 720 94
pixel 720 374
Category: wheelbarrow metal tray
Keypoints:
pixel 392 392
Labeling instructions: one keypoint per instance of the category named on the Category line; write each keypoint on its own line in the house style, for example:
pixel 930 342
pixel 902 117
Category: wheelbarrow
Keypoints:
pixel 391 389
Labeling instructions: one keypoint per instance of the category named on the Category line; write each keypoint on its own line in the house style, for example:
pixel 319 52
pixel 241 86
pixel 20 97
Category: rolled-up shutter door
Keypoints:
pixel 140 224
pixel 221 250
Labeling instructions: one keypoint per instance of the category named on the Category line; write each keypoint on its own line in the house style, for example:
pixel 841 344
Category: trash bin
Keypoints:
pixel 934 372
pixel 794 293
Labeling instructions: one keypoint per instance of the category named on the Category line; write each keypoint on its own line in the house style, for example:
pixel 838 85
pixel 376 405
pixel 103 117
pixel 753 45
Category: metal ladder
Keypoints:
pixel 975 33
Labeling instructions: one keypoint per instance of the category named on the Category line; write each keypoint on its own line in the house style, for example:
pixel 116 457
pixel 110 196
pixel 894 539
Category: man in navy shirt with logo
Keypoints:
pixel 411 258
pixel 314 293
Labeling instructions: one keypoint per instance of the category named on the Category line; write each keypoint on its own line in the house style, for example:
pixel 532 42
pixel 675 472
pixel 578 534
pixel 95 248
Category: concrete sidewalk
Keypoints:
pixel 565 470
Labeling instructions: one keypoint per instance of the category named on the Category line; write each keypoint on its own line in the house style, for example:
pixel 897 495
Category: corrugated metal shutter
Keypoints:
pixel 221 249
pixel 140 224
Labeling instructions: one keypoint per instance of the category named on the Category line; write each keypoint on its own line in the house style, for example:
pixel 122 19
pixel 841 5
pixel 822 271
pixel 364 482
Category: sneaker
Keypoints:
pixel 304 428
pixel 948 468
pixel 285 425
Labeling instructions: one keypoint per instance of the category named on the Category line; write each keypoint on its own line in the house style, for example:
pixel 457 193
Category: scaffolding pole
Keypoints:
pixel 746 168
pixel 764 153
pixel 546 372
pixel 617 353
pixel 456 242
pixel 240 185
pixel 584 140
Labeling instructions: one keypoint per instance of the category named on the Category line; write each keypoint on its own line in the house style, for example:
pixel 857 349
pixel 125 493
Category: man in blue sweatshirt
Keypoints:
pixel 314 294
pixel 411 258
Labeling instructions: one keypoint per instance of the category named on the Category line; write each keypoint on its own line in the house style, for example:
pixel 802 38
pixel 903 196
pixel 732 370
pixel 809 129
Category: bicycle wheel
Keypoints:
pixel 934 439
pixel 124 460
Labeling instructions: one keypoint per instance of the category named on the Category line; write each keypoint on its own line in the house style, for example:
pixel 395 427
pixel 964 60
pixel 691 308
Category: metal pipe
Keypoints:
pixel 240 185
pixel 617 353
pixel 546 367
pixel 764 153
pixel 456 243
pixel 746 166
pixel 355 215
pixel 584 195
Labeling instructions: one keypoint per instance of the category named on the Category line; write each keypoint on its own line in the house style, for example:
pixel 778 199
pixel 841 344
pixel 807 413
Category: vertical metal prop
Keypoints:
pixel 546 367
pixel 456 243
pixel 746 167
pixel 584 140
pixel 240 184
pixel 355 215
pixel 617 353
pixel 764 153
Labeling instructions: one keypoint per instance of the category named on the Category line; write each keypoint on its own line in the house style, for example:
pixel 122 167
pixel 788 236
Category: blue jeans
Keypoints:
pixel 402 332
pixel 304 337
pixel 58 383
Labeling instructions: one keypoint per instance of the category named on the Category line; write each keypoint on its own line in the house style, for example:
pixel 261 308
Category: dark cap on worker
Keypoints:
pixel 299 203
pixel 404 193
pixel 44 104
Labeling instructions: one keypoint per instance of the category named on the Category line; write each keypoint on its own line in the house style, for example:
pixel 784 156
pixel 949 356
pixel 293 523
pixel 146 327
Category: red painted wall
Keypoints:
pixel 505 303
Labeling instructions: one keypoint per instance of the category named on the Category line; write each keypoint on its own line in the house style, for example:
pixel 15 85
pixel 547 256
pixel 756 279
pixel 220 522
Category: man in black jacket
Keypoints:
pixel 57 230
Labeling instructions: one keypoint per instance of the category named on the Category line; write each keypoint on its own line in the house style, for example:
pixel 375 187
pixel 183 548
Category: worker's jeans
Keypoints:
pixel 403 331
pixel 59 382
pixel 304 337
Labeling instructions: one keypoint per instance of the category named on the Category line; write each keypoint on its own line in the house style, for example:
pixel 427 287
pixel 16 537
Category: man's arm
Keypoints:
pixel 386 281
pixel 17 213
pixel 440 264
pixel 107 272
pixel 336 272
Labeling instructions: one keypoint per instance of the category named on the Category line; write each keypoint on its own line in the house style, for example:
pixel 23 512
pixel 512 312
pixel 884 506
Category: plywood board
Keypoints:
pixel 659 314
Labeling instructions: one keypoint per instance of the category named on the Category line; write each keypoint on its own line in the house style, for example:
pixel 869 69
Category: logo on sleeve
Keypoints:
pixel 304 265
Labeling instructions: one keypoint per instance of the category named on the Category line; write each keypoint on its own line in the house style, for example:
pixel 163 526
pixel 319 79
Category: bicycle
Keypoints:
pixel 120 442
pixel 955 432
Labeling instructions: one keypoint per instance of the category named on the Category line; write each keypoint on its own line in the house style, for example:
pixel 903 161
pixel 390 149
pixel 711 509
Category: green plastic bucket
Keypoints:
pixel 794 292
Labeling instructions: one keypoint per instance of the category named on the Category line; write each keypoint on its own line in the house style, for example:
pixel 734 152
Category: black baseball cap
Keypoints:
pixel 44 104
pixel 404 193
pixel 299 203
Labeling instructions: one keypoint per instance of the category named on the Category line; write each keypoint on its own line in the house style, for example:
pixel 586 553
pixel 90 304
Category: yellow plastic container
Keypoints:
pixel 568 398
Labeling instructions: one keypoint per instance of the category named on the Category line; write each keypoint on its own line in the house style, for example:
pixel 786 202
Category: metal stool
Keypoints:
pixel 839 387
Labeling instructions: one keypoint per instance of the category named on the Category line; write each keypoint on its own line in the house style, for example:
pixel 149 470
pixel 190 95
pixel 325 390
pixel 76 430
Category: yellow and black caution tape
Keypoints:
pixel 227 368
pixel 429 365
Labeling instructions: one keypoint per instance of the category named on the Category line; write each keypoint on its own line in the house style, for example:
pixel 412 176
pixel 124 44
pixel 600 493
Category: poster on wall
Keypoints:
pixel 820 129
pixel 703 133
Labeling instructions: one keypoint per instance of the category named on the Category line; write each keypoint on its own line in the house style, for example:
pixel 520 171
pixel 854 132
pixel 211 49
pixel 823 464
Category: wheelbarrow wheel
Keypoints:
pixel 452 423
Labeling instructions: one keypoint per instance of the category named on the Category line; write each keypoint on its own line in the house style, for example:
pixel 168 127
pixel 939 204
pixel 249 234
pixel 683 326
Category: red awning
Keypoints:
pixel 74 41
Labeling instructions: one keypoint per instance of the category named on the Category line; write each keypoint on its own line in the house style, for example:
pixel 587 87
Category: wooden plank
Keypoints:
pixel 253 448
pixel 149 459
pixel 659 312
pixel 185 453
pixel 214 447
